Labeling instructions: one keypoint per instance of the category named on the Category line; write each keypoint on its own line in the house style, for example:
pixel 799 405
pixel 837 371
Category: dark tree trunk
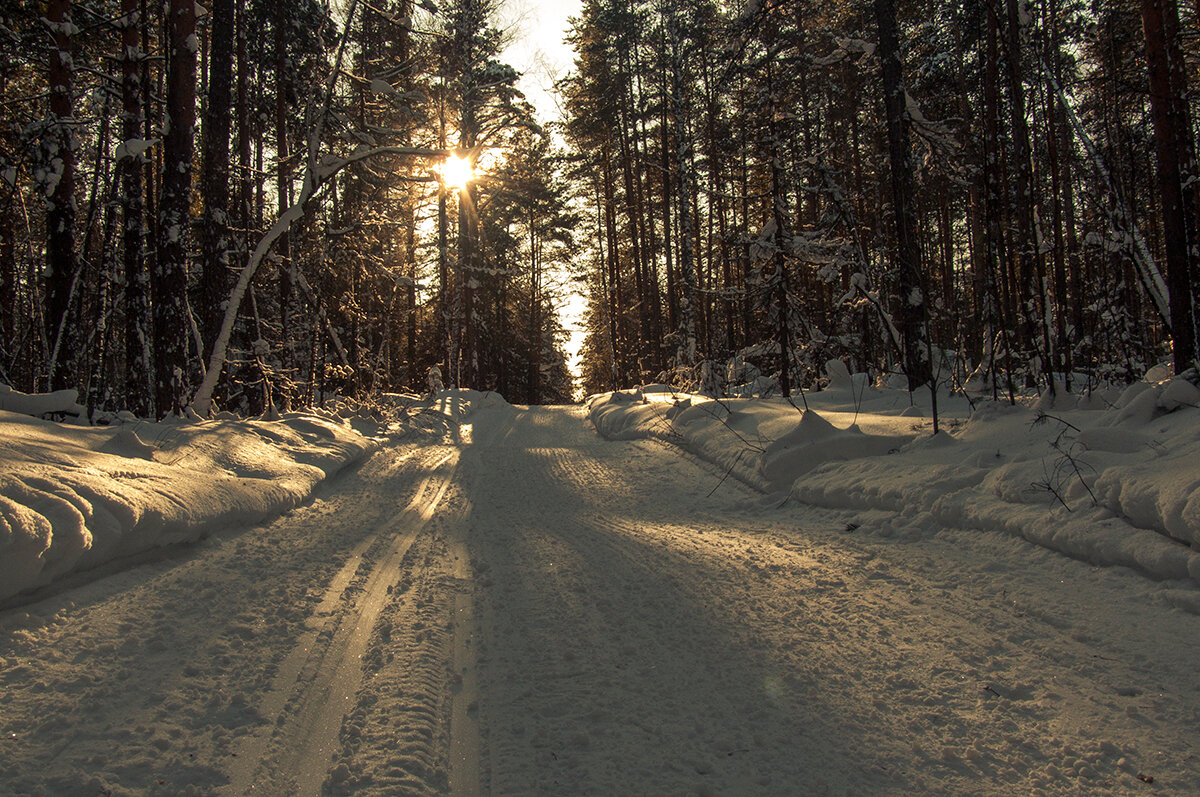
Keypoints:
pixel 216 245
pixel 8 285
pixel 680 112
pixel 1177 172
pixel 61 263
pixel 412 378
pixel 779 214
pixel 633 213
pixel 535 307
pixel 907 252
pixel 1028 294
pixel 616 303
pixel 993 321
pixel 283 190
pixel 172 382
pixel 138 359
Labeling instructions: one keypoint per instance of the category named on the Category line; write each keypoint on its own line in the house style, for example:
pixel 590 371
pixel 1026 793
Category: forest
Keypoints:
pixel 249 207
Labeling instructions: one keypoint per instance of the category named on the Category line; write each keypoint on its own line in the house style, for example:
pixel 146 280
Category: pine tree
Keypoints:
pixel 216 244
pixel 171 308
pixel 1177 173
pixel 907 252
pixel 131 166
pixel 58 170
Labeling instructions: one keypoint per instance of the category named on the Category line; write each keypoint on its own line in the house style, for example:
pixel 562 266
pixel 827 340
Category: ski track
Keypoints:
pixel 320 689
pixel 534 610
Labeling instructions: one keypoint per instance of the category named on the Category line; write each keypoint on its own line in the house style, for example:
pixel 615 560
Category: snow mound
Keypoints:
pixel 41 405
pixel 72 498
pixel 458 403
pixel 840 378
pixel 815 441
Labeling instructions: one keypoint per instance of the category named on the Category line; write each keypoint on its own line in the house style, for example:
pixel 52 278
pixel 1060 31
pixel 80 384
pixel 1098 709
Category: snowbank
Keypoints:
pixel 75 497
pixel 408 415
pixel 1111 480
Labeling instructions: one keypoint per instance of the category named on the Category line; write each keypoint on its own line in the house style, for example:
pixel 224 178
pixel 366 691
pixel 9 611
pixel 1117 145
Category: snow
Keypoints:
pixel 133 148
pixel 61 402
pixel 379 86
pixel 1115 485
pixel 470 597
pixel 73 498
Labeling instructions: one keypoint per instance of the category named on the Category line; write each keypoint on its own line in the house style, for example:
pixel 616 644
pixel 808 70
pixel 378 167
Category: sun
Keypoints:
pixel 457 172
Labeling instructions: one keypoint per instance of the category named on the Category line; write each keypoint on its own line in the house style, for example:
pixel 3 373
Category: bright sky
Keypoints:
pixel 537 49
pixel 538 52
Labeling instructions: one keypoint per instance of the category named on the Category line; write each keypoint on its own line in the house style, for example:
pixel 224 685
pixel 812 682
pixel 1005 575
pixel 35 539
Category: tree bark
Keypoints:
pixel 61 258
pixel 138 358
pixel 685 356
pixel 171 311
pixel 1177 172
pixel 215 242
pixel 907 253
pixel 283 190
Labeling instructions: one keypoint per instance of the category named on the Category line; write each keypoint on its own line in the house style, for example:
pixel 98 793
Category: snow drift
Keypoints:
pixel 72 498
pixel 1110 478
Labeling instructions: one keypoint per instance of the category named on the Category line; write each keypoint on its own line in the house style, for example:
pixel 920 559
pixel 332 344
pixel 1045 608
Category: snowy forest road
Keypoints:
pixel 530 609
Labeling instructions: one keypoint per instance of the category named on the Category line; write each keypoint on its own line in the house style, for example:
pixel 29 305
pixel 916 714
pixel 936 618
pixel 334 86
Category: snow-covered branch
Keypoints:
pixel 316 176
pixel 1133 244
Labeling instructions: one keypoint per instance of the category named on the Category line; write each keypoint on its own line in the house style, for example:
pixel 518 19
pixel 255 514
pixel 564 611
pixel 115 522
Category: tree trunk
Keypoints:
pixel 781 290
pixel 283 190
pixel 615 296
pixel 138 359
pixel 535 307
pixel 61 261
pixel 215 242
pixel 633 213
pixel 991 310
pixel 171 311
pixel 1028 293
pixel 8 285
pixel 1054 141
pixel 410 291
pixel 907 254
pixel 685 356
pixel 1177 172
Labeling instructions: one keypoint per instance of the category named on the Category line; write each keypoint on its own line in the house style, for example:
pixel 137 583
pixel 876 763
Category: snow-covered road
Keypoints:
pixel 533 610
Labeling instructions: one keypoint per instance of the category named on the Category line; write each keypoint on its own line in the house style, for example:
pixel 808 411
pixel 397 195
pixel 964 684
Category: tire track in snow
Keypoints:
pixel 641 637
pixel 465 747
pixel 317 681
pixel 402 737
pixel 602 673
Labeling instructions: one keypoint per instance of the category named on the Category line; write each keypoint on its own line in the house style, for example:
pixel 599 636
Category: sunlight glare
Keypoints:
pixel 457 172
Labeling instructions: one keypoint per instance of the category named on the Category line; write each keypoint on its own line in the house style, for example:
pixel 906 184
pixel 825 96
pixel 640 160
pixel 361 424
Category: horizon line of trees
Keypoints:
pixel 236 205
pixel 990 191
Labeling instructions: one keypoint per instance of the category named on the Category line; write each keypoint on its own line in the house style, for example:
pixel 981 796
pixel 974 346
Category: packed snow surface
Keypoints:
pixel 498 600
